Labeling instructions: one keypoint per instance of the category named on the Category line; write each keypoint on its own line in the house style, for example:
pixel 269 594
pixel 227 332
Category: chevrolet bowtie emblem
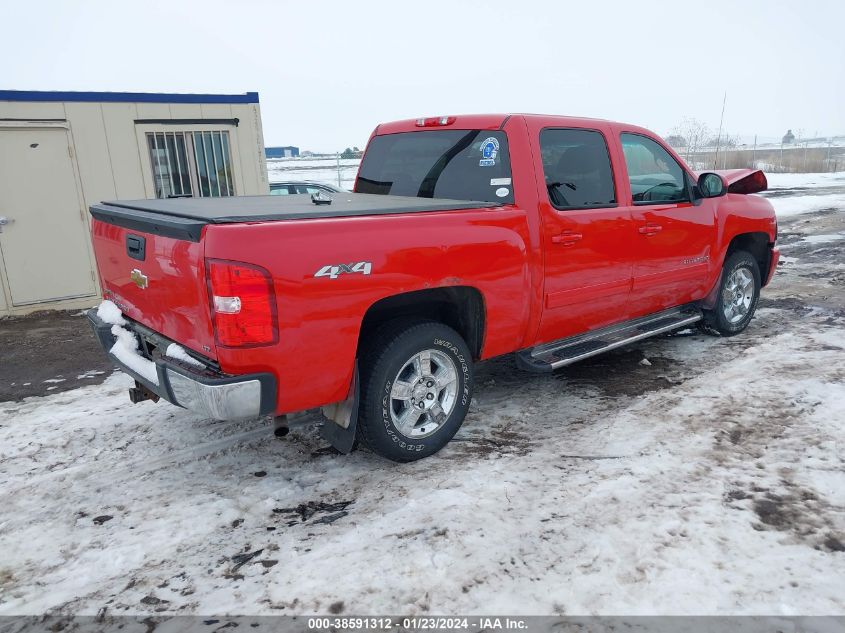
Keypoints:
pixel 138 278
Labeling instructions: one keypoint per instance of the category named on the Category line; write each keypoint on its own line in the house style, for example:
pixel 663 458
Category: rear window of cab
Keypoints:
pixel 456 164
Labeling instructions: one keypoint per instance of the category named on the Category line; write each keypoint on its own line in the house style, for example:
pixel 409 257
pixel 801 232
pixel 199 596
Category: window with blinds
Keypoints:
pixel 187 164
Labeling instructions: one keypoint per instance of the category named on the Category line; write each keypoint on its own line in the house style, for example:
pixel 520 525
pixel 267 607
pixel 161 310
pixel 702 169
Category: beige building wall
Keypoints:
pixel 107 146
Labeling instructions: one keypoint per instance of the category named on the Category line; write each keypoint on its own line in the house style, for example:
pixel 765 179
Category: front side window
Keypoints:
pixel 654 175
pixel 191 164
pixel 577 169
pixel 456 164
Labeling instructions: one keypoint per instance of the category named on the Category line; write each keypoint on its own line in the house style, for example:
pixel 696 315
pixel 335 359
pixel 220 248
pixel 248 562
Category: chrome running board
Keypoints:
pixel 550 356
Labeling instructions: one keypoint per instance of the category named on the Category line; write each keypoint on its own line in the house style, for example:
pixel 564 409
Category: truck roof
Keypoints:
pixel 486 122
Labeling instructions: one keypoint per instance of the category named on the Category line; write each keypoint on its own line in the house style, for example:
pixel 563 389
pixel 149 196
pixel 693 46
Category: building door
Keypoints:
pixel 44 244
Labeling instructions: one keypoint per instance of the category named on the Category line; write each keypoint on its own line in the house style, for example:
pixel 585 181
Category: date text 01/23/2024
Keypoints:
pixel 423 623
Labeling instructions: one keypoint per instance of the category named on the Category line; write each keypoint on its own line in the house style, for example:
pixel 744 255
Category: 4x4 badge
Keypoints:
pixel 334 271
pixel 139 278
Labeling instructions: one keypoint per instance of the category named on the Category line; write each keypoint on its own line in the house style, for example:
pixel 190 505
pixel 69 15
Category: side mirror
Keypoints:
pixel 711 185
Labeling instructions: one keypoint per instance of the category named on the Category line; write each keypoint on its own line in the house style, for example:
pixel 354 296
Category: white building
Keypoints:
pixel 60 152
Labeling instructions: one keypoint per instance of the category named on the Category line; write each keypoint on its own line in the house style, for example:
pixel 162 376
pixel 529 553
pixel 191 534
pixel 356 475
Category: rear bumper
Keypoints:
pixel 204 390
pixel 774 257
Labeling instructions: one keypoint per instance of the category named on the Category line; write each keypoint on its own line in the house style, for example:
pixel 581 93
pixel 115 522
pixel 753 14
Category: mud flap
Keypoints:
pixel 342 419
pixel 709 302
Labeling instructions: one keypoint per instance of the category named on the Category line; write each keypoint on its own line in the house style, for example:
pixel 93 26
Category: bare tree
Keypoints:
pixel 695 132
pixel 676 140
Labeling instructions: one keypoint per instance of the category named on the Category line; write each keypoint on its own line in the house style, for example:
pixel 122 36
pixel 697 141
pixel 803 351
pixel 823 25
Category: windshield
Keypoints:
pixel 457 164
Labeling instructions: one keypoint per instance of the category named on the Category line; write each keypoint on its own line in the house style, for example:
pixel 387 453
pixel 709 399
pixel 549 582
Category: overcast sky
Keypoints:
pixel 328 72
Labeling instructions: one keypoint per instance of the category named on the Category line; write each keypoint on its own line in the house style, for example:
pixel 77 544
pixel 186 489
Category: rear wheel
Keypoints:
pixel 416 386
pixel 739 292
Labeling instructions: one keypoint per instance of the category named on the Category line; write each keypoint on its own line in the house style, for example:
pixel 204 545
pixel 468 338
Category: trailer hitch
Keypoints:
pixel 139 393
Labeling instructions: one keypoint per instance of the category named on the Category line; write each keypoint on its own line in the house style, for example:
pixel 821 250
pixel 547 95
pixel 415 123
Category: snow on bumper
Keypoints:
pixel 199 389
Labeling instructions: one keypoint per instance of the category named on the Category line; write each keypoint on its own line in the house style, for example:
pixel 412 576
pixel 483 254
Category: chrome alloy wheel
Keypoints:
pixel 424 393
pixel 738 295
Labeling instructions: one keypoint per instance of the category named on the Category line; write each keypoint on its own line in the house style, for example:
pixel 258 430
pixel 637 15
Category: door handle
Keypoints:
pixel 567 238
pixel 650 229
pixel 4 221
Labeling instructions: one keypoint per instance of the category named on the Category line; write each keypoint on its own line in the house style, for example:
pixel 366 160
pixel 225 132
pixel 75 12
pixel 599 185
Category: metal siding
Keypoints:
pixel 17 110
pixel 3 304
pixel 186 110
pixel 154 111
pixel 92 151
pixel 258 130
pixel 126 155
pixel 250 149
pixel 123 97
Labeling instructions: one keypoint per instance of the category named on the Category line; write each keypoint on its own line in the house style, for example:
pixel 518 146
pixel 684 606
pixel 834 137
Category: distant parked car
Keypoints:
pixel 307 186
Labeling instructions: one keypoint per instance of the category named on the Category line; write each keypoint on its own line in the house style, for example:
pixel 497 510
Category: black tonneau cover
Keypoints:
pixel 184 218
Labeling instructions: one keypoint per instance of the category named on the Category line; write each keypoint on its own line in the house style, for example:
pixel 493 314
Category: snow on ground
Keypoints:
pixel 783 181
pixel 708 480
pixel 805 193
pixel 317 169
pixel 808 204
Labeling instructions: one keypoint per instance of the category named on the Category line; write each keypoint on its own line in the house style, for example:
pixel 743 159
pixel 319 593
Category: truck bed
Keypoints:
pixel 184 218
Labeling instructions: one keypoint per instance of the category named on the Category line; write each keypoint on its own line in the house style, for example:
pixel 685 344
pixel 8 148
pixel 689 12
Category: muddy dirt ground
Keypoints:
pixel 49 352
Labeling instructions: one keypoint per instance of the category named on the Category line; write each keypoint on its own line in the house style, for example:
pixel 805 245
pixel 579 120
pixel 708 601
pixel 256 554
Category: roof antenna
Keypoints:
pixel 719 136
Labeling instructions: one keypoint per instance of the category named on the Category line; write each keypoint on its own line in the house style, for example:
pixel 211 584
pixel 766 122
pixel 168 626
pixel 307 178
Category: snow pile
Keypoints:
pixel 110 313
pixel 178 352
pixel 125 349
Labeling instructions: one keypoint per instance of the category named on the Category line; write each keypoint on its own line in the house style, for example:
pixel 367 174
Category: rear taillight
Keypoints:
pixel 243 304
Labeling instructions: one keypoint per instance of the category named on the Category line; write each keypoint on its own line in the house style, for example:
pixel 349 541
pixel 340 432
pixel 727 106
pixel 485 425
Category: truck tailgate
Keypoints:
pixel 158 281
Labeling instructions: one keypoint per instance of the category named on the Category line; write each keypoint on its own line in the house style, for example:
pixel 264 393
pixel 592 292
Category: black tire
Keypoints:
pixel 390 350
pixel 716 321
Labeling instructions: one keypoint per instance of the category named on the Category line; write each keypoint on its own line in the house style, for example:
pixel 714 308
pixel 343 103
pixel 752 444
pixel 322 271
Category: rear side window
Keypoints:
pixel 577 169
pixel 654 175
pixel 457 164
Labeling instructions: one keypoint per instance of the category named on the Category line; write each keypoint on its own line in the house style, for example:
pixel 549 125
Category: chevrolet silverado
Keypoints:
pixel 466 237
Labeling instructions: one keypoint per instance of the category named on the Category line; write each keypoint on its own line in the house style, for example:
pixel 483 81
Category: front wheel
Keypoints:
pixel 739 292
pixel 416 386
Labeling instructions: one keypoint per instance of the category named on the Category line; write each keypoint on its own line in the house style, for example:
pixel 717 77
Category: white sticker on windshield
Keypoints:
pixel 498 182
pixel 502 192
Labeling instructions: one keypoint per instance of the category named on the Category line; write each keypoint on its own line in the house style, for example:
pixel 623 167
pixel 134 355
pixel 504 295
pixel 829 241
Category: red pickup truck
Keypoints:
pixel 466 237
